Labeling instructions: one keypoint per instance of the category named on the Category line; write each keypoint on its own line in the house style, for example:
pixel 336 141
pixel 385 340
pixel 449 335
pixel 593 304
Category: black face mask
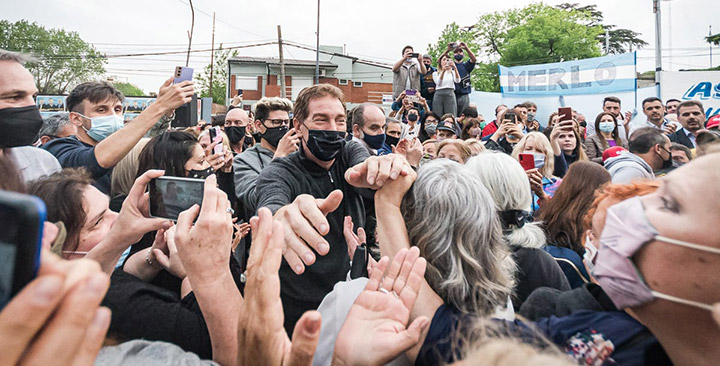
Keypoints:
pixel 325 145
pixel 391 141
pixel 257 136
pixel 19 126
pixel 201 174
pixel 412 117
pixel 667 163
pixel 274 134
pixel 235 133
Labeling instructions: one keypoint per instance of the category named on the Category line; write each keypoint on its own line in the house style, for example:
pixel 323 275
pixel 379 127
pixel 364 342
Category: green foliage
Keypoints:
pixel 63 58
pixel 220 75
pixel 129 89
pixel 537 33
pixel 714 39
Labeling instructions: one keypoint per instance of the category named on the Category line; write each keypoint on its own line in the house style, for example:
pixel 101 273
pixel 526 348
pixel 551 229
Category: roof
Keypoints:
pixel 276 61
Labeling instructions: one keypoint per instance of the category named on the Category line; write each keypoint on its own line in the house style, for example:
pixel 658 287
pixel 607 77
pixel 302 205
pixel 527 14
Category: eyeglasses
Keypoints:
pixel 277 122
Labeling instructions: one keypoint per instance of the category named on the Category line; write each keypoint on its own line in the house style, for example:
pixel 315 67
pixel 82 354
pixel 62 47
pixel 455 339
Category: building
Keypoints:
pixel 360 80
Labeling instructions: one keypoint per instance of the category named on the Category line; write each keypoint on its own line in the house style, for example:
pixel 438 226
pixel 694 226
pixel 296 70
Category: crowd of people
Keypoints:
pixel 422 236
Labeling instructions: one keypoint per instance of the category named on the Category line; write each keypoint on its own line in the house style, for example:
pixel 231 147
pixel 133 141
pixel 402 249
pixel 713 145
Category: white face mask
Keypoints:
pixel 590 254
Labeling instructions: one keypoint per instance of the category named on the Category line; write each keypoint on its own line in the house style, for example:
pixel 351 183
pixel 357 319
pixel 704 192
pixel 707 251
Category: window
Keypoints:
pixel 357 84
pixel 343 81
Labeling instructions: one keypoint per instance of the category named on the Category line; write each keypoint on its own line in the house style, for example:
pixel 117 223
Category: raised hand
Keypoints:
pixel 377 320
pixel 376 170
pixel 288 144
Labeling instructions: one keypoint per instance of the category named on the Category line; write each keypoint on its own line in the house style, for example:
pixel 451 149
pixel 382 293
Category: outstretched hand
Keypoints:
pixel 376 170
pixel 377 320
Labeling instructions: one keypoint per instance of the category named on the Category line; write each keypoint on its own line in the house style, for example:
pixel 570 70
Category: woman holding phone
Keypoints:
pixel 445 78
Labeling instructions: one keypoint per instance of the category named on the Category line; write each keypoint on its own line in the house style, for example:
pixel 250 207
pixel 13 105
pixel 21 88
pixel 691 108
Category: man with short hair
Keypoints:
pixel 655 113
pixel 96 108
pixel 393 131
pixel 55 127
pixel 491 127
pixel 671 106
pixel 277 141
pixel 427 84
pixel 406 72
pixel 20 119
pixel 612 105
pixel 649 152
pixel 368 126
pixel 681 154
pixel 465 114
pixel 312 190
pixel 691 115
pixel 235 127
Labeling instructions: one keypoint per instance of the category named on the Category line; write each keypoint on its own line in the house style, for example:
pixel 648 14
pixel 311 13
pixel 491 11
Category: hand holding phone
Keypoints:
pixel 219 149
pixel 169 196
pixel 564 114
pixel 527 161
pixel 183 73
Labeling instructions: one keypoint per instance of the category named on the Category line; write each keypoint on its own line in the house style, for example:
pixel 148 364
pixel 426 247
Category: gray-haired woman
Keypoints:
pixel 508 185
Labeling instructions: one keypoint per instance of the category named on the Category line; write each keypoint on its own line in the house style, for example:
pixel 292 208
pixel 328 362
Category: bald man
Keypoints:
pixel 236 122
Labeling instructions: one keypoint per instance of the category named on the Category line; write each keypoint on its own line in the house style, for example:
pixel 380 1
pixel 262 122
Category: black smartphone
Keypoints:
pixel 21 218
pixel 415 55
pixel 511 116
pixel 239 92
pixel 169 196
pixel 359 262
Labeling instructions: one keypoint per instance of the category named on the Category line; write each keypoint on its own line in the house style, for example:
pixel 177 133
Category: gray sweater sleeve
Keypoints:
pixel 275 186
pixel 626 174
pixel 246 177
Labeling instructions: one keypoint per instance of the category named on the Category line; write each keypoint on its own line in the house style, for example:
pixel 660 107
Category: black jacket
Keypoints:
pixel 680 137
pixel 278 185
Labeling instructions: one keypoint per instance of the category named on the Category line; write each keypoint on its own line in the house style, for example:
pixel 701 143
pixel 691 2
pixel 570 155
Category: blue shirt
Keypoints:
pixel 73 153
pixel 464 69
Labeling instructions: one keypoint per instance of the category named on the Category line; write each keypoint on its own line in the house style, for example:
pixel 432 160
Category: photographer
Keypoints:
pixel 407 71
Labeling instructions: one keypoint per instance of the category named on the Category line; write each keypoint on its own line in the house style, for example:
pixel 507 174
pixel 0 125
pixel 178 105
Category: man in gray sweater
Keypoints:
pixel 272 120
pixel 649 152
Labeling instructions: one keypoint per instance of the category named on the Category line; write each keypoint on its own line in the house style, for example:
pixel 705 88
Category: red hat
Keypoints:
pixel 612 152
pixel 714 121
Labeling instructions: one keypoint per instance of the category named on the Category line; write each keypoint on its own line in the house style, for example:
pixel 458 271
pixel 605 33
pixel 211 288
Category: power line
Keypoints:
pixel 222 21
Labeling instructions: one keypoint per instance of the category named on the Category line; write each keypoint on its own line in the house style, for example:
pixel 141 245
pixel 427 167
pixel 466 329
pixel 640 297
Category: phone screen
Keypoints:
pixel 169 196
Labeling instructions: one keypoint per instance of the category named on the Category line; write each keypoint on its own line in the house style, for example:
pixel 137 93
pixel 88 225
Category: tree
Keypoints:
pixel 220 76
pixel 63 59
pixel 714 39
pixel 129 89
pixel 621 40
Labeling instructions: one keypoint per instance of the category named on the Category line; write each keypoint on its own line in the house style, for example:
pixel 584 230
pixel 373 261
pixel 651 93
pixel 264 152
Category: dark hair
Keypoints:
pixel 615 134
pixel 650 100
pixel 672 100
pixel 498 107
pixel 168 151
pixel 357 114
pixel 472 122
pixel 529 104
pixel 266 105
pixel 300 111
pixel 643 139
pixel 94 92
pixel 611 99
pixel 11 179
pixel 218 120
pixel 63 194
pixel 563 215
pixel 689 103
pixel 423 135
pixel 406 47
pixel 521 105
pixel 683 148
pixel 470 112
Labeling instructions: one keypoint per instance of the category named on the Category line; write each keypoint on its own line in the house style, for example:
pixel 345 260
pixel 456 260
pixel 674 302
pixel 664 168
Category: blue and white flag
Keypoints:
pixel 589 76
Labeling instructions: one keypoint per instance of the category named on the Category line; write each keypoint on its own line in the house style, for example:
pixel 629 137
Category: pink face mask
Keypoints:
pixel 627 229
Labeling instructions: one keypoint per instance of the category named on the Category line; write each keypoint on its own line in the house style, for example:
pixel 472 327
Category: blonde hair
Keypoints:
pixel 541 143
pixel 465 152
pixel 476 146
pixel 124 173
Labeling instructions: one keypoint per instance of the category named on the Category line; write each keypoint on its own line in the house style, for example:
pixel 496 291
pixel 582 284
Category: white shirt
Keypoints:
pixel 448 81
pixel 662 126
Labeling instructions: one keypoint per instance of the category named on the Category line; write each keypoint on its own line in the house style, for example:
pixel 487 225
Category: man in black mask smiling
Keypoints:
pixel 277 141
pixel 20 120
pixel 312 190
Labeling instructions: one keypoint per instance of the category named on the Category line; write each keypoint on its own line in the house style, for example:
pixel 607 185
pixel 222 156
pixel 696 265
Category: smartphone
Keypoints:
pixel 511 116
pixel 359 262
pixel 239 92
pixel 452 45
pixel 183 73
pixel 412 95
pixel 22 218
pixel 415 55
pixel 214 133
pixel 169 196
pixel 527 161
pixel 564 114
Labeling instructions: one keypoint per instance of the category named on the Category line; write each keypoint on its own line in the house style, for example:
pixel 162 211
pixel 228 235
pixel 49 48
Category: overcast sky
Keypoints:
pixel 371 29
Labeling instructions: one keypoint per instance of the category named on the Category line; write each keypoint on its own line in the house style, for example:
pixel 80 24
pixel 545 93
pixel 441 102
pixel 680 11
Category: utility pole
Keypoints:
pixel 212 57
pixel 658 42
pixel 317 48
pixel 607 41
pixel 190 33
pixel 710 35
pixel 282 64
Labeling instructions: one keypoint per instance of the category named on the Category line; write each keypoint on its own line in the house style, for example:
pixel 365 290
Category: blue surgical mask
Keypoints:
pixel 539 160
pixel 607 127
pixel 103 126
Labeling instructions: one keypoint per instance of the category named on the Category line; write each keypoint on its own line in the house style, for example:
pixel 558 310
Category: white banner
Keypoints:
pixel 703 86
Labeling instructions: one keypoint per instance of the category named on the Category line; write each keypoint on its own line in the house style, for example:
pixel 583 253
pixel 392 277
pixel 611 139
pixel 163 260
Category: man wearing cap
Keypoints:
pixel 691 115
pixel 446 130
pixel 713 123
pixel 427 84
